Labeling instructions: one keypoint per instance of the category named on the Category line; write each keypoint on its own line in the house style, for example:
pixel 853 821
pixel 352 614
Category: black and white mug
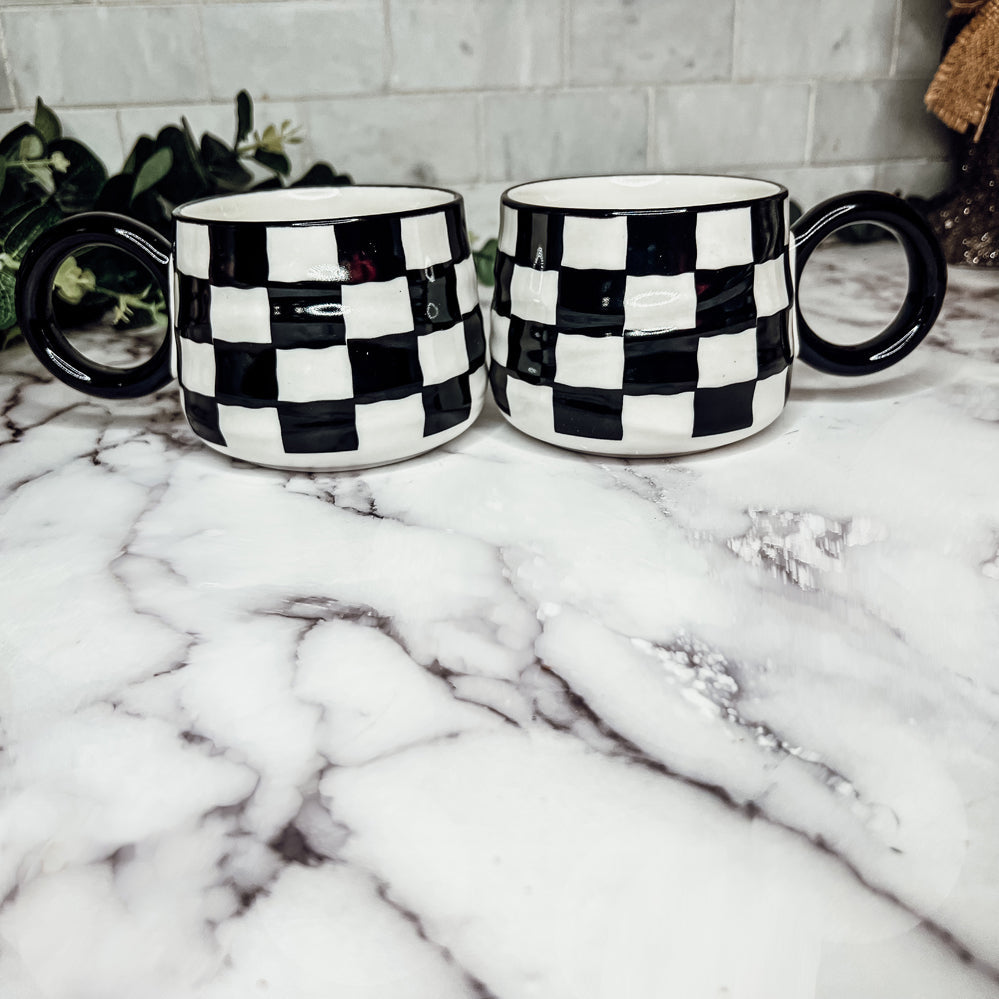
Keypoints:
pixel 657 315
pixel 314 328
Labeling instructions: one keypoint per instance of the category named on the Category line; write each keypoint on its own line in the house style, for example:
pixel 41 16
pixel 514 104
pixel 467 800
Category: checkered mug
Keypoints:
pixel 656 315
pixel 311 328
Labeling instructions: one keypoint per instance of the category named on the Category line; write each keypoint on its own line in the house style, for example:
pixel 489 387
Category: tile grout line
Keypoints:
pixel 896 42
pixel 389 48
pixel 7 68
pixel 565 49
pixel 813 91
pixel 651 137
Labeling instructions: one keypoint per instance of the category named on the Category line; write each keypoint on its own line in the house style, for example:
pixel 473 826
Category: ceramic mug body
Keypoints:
pixel 317 328
pixel 656 315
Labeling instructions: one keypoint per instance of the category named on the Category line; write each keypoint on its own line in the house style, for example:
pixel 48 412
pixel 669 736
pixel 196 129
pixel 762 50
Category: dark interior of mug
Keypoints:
pixel 315 204
pixel 641 192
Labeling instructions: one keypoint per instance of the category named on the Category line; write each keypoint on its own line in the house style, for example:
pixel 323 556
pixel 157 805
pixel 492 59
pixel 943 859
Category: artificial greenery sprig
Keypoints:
pixel 45 177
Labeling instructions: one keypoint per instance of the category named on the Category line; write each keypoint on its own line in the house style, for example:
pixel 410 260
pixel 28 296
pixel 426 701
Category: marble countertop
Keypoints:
pixel 504 721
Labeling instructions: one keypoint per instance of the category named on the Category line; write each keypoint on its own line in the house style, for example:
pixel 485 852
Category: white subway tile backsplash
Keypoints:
pixel 920 39
pixel 558 134
pixel 719 125
pixel 466 44
pixel 105 55
pixel 479 94
pixel 295 50
pixel 650 41
pixel 808 39
pixel 873 120
pixel 398 139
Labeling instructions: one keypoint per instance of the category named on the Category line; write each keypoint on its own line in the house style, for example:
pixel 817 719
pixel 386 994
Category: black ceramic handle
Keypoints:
pixel 34 303
pixel 923 299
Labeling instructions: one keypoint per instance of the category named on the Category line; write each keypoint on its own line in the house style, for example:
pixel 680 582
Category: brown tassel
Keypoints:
pixel 961 92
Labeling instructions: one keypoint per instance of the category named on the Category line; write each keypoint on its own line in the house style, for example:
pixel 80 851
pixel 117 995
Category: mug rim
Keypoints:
pixel 776 190
pixel 449 199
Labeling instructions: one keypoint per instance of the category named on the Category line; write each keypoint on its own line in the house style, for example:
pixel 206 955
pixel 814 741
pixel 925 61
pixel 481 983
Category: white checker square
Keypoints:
pixel 658 423
pixel 508 231
pixel 424 241
pixel 197 366
pixel 443 355
pixel 304 253
pixel 595 244
pixel 589 361
pixel 314 375
pixel 377 308
pixel 254 434
pixel 724 238
pixel 660 302
pixel 240 315
pixel 534 294
pixel 770 288
pixel 726 359
pixel 389 425
pixel 499 338
pixel 193 250
pixel 532 407
pixel 768 399
pixel 468 285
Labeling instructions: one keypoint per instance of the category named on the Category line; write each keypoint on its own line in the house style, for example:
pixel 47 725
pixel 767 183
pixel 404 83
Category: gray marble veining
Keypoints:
pixel 504 721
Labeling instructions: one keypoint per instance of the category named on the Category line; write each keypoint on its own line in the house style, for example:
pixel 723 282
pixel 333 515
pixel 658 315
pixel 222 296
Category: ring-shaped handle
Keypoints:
pixel 33 295
pixel 927 282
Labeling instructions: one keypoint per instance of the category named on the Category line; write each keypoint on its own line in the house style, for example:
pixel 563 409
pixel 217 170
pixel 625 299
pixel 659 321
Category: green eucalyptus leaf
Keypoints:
pixel 116 194
pixel 78 187
pixel 244 116
pixel 8 313
pixel 144 147
pixel 187 178
pixel 272 183
pixel 10 144
pixel 485 260
pixel 152 171
pixel 321 175
pixel 277 162
pixel 10 336
pixel 29 227
pixel 32 147
pixel 46 122
pixel 223 164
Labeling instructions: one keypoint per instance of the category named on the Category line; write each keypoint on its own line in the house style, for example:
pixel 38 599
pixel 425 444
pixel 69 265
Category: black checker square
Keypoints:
pixel 307 317
pixel 503 274
pixel 663 244
pixel 590 301
pixel 587 412
pixel 318 427
pixel 238 255
pixel 497 383
pixel 385 367
pixel 447 404
pixel 660 363
pixel 725 298
pixel 245 374
pixel 539 240
pixel 773 344
pixel 194 299
pixel 723 410
pixel 532 350
pixel 457 232
pixel 371 249
pixel 433 296
pixel 203 415
pixel 475 339
pixel 769 232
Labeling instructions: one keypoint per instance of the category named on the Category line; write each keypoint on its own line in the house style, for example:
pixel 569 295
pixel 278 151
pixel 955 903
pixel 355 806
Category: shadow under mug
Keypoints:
pixel 657 315
pixel 311 328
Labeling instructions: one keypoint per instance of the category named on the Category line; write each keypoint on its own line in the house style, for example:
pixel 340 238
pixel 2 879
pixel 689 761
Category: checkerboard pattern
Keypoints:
pixel 329 345
pixel 648 333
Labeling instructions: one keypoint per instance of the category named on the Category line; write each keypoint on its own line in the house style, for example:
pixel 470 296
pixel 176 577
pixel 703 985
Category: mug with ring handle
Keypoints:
pixel 311 328
pixel 657 314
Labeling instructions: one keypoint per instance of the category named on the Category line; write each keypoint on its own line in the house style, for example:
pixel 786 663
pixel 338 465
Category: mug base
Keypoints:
pixel 347 461
pixel 669 446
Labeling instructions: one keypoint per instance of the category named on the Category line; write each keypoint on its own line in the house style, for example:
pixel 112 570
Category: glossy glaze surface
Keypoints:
pixel 530 724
